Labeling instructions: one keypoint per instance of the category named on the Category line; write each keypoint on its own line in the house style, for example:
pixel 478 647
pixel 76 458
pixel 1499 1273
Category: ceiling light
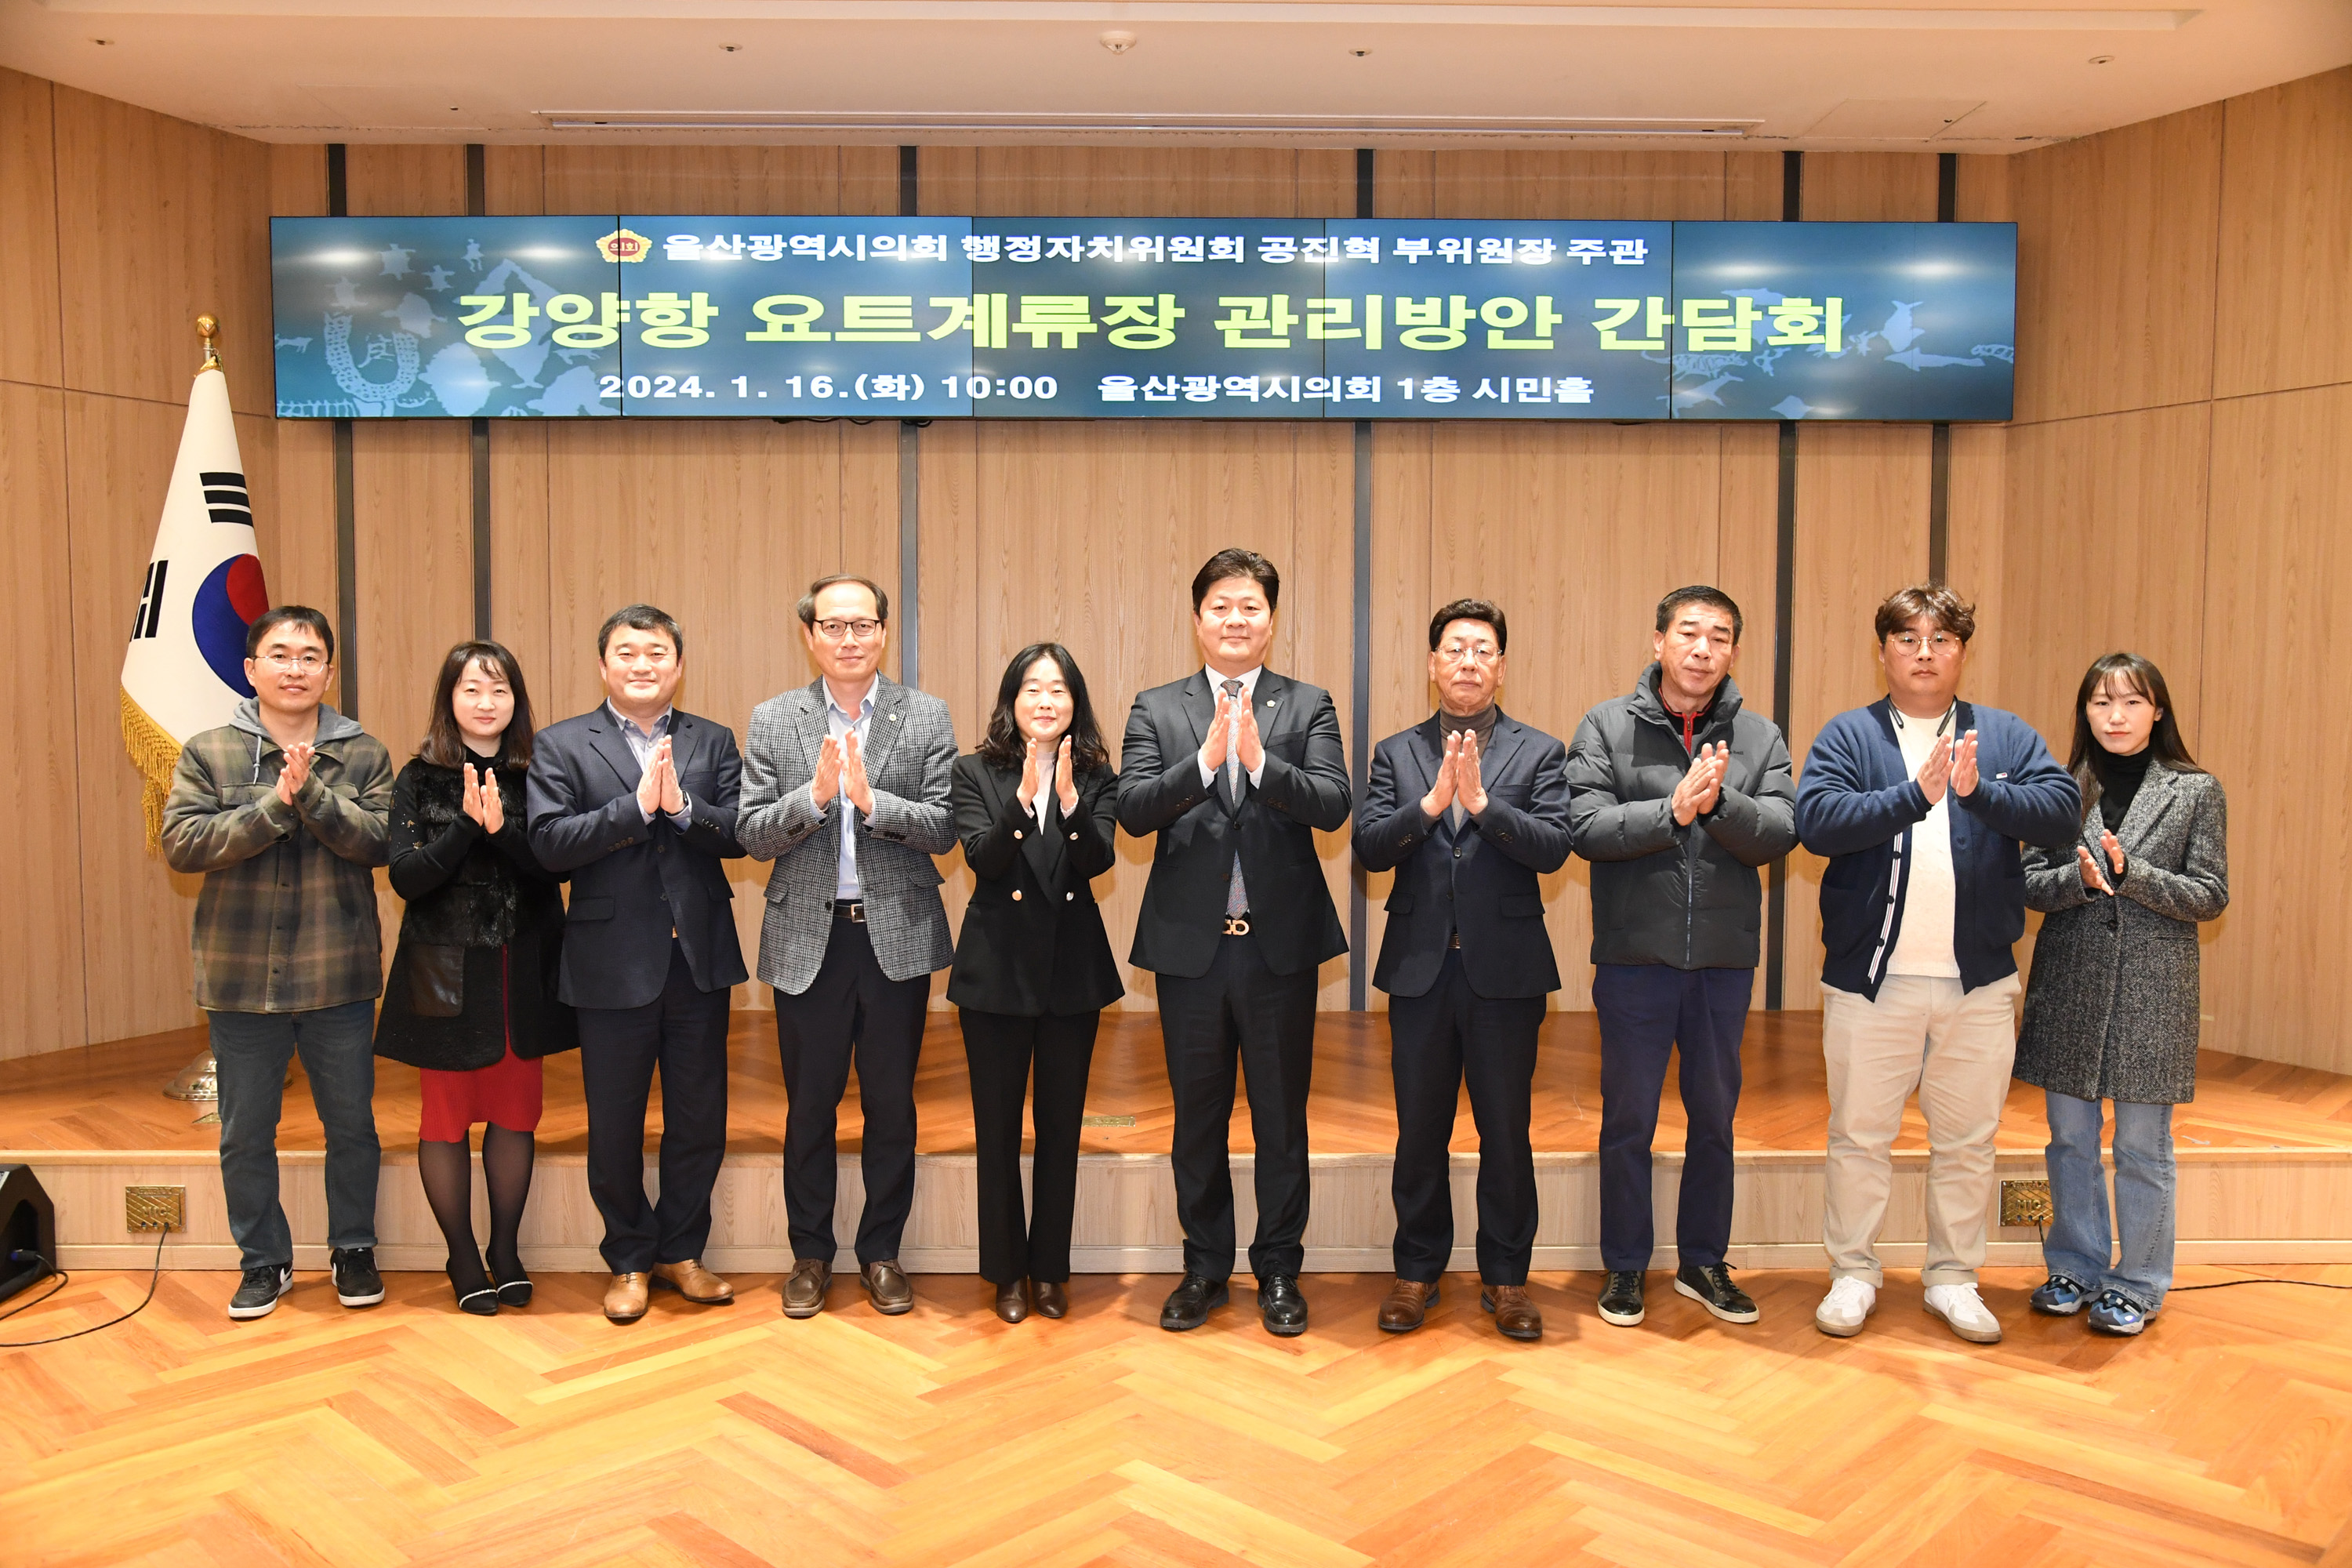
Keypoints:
pixel 1119 40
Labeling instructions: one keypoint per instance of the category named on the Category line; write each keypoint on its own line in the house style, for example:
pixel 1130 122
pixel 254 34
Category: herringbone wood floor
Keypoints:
pixel 104 1096
pixel 408 1435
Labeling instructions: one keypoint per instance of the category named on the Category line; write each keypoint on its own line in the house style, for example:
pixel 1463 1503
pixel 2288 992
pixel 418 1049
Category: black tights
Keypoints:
pixel 448 1170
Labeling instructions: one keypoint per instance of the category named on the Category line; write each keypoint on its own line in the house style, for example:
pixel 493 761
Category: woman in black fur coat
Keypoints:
pixel 471 995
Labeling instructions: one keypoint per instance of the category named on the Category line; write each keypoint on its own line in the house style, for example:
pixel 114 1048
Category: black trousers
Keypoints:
pixel 999 1049
pixel 1239 1009
pixel 681 1034
pixel 852 1013
pixel 1648 1011
pixel 1436 1042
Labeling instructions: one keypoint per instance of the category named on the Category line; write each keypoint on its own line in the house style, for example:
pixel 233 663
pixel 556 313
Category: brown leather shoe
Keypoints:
pixel 626 1296
pixel 693 1281
pixel 886 1286
pixel 1012 1302
pixel 804 1291
pixel 1052 1298
pixel 1406 1304
pixel 1515 1313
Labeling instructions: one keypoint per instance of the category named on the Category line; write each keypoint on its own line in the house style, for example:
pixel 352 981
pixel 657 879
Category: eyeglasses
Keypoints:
pixel 1939 644
pixel 1469 653
pixel 834 631
pixel 308 663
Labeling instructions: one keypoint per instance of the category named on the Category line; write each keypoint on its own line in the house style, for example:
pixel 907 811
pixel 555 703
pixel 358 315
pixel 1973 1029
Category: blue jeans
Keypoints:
pixel 2080 1242
pixel 251 1051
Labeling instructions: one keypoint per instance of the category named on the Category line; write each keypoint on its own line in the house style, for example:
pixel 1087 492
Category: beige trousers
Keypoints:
pixel 1956 1049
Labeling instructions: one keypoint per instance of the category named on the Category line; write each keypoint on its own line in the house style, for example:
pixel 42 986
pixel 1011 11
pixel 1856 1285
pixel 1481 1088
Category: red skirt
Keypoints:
pixel 507 1093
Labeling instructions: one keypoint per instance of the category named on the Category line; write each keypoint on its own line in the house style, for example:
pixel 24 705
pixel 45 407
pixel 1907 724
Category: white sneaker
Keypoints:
pixel 1849 1301
pixel 1964 1313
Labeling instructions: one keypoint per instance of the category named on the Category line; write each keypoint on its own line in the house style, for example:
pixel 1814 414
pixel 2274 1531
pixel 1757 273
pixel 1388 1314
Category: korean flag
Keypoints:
pixel 184 671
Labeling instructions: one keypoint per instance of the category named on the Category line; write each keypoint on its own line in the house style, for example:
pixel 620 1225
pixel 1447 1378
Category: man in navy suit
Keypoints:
pixel 1233 768
pixel 1468 807
pixel 636 801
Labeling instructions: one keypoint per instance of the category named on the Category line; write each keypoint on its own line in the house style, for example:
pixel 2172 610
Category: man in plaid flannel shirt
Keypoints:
pixel 283 810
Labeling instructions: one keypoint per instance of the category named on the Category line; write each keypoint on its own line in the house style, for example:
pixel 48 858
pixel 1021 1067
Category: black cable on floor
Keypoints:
pixel 2259 1279
pixel 2223 1284
pixel 153 1279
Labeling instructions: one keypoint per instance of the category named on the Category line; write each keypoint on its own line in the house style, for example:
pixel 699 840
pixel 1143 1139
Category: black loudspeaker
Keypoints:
pixel 28 1230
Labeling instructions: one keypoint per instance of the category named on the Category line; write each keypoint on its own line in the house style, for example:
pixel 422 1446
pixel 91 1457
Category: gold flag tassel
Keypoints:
pixel 156 756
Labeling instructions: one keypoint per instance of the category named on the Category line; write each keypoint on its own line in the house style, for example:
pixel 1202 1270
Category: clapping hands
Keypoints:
pixel 482 802
pixel 1949 763
pixel 659 789
pixel 295 772
pixel 2094 877
pixel 1459 778
pixel 1046 765
pixel 1702 786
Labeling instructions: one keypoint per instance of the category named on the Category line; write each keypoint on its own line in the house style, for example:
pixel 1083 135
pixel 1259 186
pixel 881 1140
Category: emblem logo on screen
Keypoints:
pixel 623 245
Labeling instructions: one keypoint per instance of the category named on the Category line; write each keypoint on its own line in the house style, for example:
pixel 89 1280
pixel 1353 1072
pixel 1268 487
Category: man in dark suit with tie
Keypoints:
pixel 1234 767
pixel 1468 807
pixel 636 801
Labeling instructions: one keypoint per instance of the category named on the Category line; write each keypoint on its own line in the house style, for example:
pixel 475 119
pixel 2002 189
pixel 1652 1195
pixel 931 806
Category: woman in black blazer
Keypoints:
pixel 1034 807
pixel 471 995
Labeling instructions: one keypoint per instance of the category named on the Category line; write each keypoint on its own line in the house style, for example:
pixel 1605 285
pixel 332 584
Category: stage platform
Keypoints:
pixel 2265 1155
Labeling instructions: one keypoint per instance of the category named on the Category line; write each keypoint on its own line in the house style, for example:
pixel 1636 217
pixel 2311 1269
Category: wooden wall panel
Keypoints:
pixel 1869 187
pixel 135 912
pixel 721 523
pixel 1404 596
pixel 694 179
pixel 1530 183
pixel 1145 182
pixel 40 878
pixel 164 221
pixel 33 348
pixel 514 179
pixel 522 549
pixel 2276 984
pixel 2106 550
pixel 2116 242
pixel 1862 532
pixel 399 179
pixel 2282 316
pixel 1753 187
pixel 1977 525
pixel 411 483
pixel 1535 516
pixel 1090 533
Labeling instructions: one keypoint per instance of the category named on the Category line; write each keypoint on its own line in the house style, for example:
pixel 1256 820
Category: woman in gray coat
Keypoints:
pixel 2111 1009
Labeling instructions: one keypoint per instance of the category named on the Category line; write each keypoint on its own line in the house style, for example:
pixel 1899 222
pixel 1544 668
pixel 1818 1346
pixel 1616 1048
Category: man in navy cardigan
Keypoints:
pixel 1919 802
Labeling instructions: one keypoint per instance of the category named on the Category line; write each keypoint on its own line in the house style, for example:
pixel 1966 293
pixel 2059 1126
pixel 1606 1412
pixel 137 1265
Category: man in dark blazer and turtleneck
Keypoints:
pixel 1234 768
pixel 1469 807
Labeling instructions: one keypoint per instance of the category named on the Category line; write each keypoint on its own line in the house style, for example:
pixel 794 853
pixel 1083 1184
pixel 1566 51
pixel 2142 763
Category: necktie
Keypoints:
pixel 1236 895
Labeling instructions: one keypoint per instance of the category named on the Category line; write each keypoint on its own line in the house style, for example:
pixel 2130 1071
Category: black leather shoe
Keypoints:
pixel 1621 1298
pixel 1281 1305
pixel 1190 1304
pixel 1711 1288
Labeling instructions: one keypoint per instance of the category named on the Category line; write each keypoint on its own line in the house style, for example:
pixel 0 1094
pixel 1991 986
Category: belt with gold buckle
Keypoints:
pixel 1238 925
pixel 849 909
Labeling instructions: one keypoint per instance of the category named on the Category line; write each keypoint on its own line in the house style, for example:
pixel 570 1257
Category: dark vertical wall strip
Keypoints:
pixel 347 574
pixel 477 203
pixel 1939 466
pixel 481 444
pixel 1939 502
pixel 1784 603
pixel 910 474
pixel 1359 962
